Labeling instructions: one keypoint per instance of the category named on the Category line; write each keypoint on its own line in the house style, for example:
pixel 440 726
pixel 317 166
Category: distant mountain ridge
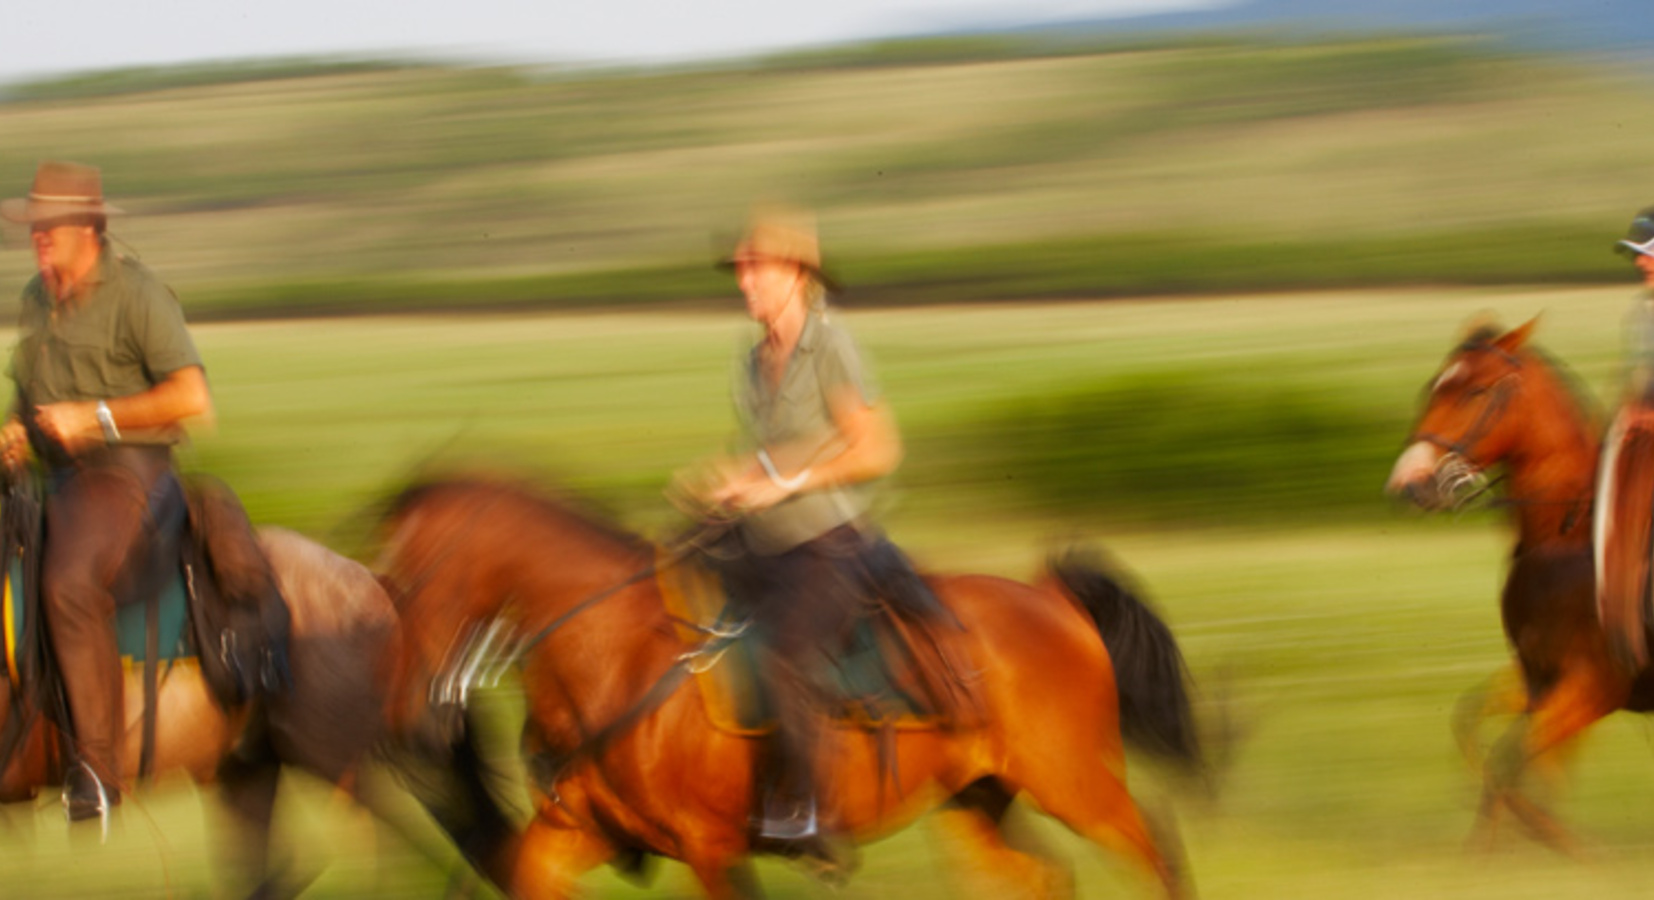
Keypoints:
pixel 1617 26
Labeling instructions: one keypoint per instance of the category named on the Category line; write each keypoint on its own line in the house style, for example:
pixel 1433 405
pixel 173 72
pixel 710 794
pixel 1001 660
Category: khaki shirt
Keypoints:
pixel 123 335
pixel 797 412
pixel 1639 345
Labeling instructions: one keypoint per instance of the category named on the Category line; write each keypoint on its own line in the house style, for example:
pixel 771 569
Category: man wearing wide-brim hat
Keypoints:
pixel 106 376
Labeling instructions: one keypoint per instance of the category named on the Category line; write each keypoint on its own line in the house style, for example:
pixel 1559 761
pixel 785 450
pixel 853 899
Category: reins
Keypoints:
pixel 1491 412
pixel 488 651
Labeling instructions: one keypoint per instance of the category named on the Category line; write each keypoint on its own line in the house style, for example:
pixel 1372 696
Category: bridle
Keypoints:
pixel 1493 409
pixel 1458 474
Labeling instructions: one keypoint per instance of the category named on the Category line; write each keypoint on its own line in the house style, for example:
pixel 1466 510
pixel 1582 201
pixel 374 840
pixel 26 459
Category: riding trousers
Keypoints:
pixel 98 532
pixel 805 604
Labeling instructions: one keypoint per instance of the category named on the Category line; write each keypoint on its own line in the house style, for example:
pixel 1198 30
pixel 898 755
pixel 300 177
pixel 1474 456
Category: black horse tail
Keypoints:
pixel 1153 682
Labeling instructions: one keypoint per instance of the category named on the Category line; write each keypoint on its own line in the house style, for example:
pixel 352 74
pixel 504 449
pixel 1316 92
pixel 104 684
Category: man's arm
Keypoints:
pixel 182 395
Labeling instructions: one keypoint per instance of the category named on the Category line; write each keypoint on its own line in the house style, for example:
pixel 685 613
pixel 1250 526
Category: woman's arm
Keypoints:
pixel 867 445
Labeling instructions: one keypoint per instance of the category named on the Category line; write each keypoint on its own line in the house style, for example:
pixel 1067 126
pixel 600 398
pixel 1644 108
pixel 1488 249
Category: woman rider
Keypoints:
pixel 1638 245
pixel 1620 523
pixel 815 432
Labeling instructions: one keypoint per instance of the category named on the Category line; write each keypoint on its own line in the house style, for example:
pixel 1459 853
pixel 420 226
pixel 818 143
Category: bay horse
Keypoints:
pixel 1498 402
pixel 628 763
pixel 344 636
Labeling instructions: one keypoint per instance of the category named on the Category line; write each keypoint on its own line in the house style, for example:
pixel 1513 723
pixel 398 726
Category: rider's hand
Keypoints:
pixel 749 490
pixel 728 486
pixel 73 425
pixel 14 446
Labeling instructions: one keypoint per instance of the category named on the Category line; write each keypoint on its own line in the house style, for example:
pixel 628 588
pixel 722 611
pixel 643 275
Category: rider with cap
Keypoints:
pixel 1621 510
pixel 106 376
pixel 1638 244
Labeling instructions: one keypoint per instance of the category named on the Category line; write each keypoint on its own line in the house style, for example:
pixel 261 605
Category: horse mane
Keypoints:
pixel 552 502
pixel 1585 401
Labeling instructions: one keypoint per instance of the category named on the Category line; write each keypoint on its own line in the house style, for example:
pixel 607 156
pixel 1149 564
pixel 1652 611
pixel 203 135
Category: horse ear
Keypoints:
pixel 1480 328
pixel 1512 340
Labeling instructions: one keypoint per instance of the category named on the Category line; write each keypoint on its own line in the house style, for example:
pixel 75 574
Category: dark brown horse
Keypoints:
pixel 343 639
pixel 629 762
pixel 1498 403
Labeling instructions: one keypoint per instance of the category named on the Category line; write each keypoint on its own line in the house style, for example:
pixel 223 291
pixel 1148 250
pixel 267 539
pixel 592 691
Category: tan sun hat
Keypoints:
pixel 784 234
pixel 61 189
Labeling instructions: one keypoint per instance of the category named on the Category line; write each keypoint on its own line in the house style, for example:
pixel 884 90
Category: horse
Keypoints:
pixel 1498 401
pixel 344 636
pixel 627 762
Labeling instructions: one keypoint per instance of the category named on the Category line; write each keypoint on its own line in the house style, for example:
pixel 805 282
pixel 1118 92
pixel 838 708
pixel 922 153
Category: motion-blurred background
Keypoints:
pixel 1170 282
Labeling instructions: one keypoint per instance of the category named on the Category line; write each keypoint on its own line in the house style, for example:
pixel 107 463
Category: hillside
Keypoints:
pixel 1599 25
pixel 943 170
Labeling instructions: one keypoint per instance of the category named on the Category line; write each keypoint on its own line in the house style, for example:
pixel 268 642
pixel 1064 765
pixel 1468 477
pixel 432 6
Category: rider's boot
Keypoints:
pixel 788 823
pixel 91 783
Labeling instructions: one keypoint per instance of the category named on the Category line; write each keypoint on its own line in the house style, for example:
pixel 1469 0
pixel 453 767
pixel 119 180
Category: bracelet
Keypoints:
pixel 106 420
pixel 787 484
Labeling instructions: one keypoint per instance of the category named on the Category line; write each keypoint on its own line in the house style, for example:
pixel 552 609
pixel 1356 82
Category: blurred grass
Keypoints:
pixel 1193 445
pixel 951 171
pixel 1343 636
pixel 1182 412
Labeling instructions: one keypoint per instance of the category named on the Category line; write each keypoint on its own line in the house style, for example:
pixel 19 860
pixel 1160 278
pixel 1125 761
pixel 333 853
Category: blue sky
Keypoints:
pixel 53 38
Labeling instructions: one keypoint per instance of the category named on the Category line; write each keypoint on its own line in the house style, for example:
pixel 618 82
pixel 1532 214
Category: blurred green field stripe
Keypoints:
pixel 1091 267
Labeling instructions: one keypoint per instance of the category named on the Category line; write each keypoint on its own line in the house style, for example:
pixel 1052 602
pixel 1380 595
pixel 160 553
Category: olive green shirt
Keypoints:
pixel 798 412
pixel 122 335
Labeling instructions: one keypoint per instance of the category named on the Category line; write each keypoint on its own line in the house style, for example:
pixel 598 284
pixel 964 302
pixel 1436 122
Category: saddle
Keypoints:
pixel 202 591
pixel 899 668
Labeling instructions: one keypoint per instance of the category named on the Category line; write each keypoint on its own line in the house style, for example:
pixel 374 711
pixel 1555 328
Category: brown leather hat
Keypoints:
pixel 783 234
pixel 60 190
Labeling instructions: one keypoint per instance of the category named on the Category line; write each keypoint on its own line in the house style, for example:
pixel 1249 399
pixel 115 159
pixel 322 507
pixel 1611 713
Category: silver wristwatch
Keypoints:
pixel 106 420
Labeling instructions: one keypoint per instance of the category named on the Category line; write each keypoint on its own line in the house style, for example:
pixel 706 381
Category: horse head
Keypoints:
pixel 1499 402
pixel 415 567
pixel 486 572
pixel 1470 421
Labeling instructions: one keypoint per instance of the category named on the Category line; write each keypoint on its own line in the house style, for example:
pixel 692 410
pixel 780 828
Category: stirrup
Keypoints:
pixel 80 808
pixel 801 825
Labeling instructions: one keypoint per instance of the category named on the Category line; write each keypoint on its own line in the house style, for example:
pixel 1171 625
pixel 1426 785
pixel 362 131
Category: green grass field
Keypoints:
pixel 1344 630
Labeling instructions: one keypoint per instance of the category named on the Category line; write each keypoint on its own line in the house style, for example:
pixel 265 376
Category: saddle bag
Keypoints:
pixel 240 619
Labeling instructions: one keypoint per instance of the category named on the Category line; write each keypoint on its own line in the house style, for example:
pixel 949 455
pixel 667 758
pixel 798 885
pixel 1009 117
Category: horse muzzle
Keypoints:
pixel 1433 480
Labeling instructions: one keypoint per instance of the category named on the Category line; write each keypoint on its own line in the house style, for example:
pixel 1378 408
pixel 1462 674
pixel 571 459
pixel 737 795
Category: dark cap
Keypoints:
pixel 1639 238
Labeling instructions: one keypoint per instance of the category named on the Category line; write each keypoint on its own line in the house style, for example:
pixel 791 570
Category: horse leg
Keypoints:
pixel 977 816
pixel 1581 698
pixel 247 789
pixel 547 859
pixel 1096 805
pixel 1502 696
pixel 725 878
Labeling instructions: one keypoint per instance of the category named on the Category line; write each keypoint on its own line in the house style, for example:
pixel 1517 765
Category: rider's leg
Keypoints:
pixel 808 610
pixel 92 525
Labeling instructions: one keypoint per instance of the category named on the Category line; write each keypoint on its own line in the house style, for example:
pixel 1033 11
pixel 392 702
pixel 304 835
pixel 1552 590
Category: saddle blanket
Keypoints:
pixel 174 642
pixel 695 597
